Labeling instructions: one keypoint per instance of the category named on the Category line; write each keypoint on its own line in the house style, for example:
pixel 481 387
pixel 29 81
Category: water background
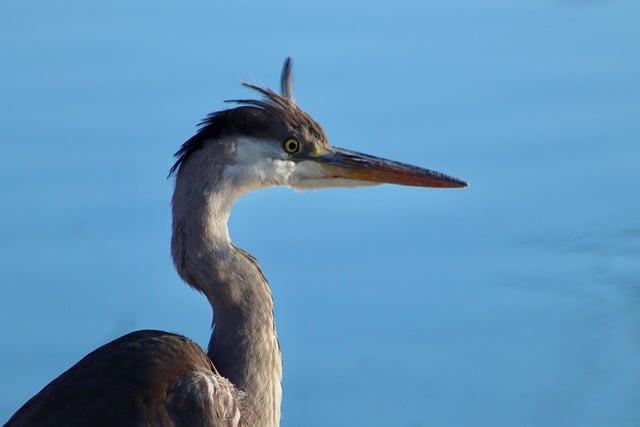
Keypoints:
pixel 515 302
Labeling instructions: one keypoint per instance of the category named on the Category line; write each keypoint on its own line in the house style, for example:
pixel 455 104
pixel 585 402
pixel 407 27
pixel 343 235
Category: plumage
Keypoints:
pixel 274 117
pixel 143 378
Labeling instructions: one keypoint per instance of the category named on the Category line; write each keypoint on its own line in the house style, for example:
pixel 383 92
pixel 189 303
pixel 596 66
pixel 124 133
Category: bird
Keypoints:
pixel 156 378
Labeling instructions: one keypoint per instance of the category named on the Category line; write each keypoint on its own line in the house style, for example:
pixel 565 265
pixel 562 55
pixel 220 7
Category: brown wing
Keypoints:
pixel 149 378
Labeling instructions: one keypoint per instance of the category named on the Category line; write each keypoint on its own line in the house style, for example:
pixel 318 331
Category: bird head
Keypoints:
pixel 271 141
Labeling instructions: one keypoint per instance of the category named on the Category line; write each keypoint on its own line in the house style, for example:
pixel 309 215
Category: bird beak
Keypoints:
pixel 345 168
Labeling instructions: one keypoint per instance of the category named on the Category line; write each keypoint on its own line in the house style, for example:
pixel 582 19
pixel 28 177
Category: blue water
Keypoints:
pixel 513 302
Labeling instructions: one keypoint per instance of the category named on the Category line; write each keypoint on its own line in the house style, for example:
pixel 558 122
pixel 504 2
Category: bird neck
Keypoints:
pixel 243 347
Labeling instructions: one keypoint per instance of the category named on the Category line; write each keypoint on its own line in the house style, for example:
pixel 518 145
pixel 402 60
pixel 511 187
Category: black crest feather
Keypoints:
pixel 274 115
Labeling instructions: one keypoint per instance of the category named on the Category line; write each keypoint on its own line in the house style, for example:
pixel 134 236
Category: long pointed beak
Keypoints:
pixel 340 164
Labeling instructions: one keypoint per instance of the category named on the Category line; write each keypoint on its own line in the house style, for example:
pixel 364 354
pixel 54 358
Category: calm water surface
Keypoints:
pixel 513 302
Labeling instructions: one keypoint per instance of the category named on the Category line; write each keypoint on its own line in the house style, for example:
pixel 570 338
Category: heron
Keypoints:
pixel 157 378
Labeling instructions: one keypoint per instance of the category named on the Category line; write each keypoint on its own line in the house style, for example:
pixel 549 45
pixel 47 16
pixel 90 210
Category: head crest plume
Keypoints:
pixel 253 118
pixel 286 81
pixel 283 102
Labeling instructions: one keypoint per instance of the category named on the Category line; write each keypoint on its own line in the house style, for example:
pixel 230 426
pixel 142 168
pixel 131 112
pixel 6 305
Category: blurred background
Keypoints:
pixel 512 302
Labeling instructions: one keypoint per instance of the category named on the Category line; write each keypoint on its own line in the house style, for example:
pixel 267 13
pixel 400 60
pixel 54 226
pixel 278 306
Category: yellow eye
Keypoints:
pixel 291 146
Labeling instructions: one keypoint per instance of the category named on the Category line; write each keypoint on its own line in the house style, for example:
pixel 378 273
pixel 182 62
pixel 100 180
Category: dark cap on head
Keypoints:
pixel 275 117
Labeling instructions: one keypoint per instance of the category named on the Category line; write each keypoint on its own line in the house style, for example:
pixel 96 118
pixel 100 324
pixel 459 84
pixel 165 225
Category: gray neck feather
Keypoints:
pixel 243 346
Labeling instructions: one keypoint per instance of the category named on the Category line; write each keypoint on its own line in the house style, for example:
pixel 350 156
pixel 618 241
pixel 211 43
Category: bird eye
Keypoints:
pixel 291 146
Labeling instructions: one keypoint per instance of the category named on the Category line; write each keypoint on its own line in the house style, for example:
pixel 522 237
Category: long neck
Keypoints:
pixel 243 347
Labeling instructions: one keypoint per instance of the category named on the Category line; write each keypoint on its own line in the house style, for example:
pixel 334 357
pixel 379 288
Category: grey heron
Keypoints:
pixel 162 379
